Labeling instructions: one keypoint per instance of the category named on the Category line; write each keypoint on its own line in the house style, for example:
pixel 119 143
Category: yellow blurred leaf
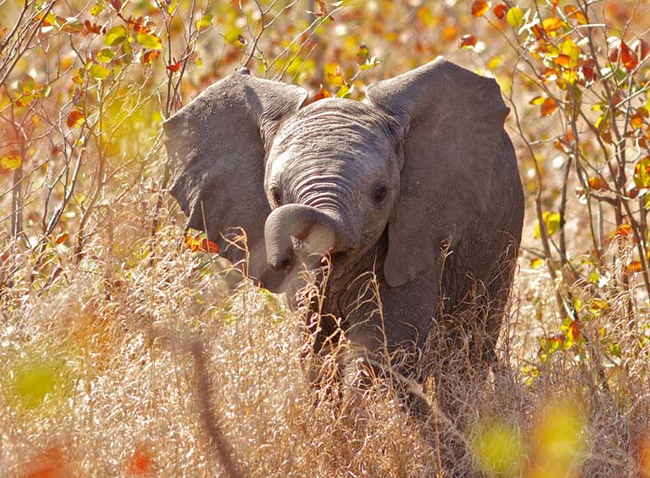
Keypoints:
pixel 10 161
pixel 204 22
pixel 552 221
pixel 514 17
pixel 150 41
pixel 115 36
pixel 642 173
pixel 498 448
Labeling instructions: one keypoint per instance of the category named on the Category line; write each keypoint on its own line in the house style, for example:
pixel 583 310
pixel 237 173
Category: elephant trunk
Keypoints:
pixel 297 229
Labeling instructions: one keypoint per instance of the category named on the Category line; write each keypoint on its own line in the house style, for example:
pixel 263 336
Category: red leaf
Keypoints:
pixel 467 41
pixel 174 67
pixel 91 28
pixel 208 246
pixel 141 462
pixel 618 49
pixel 500 11
pixel 117 5
pixel 75 118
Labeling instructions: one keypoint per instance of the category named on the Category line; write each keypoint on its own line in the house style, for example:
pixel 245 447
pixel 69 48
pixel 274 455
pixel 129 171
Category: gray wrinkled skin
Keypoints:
pixel 419 186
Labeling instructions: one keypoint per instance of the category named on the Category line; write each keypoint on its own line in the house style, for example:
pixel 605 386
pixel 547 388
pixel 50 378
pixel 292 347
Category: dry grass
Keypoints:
pixel 112 340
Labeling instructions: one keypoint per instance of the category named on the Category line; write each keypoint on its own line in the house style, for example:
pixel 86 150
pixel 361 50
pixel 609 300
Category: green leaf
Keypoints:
pixel 105 55
pixel 150 41
pixel 98 72
pixel 115 36
pixel 515 17
pixel 204 22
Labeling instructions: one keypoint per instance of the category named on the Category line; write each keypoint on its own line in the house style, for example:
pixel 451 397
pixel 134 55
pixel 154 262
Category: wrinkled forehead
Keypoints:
pixel 336 127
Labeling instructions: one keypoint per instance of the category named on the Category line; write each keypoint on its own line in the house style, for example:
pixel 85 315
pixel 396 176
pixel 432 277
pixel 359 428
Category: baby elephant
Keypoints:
pixel 416 189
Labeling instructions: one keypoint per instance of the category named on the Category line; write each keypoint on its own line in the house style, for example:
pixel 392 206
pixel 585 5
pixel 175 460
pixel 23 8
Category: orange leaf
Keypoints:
pixel 636 121
pixel 500 11
pixel 634 266
pixel 479 8
pixel 548 107
pixel 322 93
pixel 201 243
pixel 622 230
pixel 563 60
pixel 467 41
pixel 149 56
pixel 552 24
pixel 597 183
pixel 572 11
pixel 61 238
pixel 450 32
pixel 628 57
pixel 141 462
pixel 47 464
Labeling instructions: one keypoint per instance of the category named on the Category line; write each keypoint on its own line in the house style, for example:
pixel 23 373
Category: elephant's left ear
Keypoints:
pixel 451 123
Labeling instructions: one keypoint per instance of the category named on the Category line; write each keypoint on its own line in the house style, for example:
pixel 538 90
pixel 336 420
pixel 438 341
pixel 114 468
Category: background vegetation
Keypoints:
pixel 127 348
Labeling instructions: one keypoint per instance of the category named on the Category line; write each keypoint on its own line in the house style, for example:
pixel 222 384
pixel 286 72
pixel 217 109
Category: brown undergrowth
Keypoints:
pixel 98 373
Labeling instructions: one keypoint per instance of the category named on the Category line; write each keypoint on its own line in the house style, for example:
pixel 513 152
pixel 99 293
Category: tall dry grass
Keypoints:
pixel 116 350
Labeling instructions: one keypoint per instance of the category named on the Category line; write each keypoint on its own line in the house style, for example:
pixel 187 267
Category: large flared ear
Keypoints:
pixel 216 147
pixel 451 123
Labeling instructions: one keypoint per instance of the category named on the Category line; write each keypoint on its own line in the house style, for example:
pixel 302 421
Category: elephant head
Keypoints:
pixel 412 165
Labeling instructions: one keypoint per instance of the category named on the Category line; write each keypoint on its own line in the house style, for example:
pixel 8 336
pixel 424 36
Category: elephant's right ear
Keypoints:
pixel 216 147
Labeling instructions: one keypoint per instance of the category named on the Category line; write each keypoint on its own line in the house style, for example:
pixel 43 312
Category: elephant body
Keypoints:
pixel 417 189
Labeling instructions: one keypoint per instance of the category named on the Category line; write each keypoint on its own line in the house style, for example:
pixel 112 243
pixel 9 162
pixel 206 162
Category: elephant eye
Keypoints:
pixel 379 193
pixel 277 196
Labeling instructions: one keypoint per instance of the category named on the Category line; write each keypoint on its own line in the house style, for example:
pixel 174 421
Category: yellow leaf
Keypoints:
pixel 10 161
pixel 552 24
pixel 515 17
pixel 552 221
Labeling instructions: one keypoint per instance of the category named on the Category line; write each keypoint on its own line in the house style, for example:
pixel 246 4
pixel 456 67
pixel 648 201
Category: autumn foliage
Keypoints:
pixel 102 288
